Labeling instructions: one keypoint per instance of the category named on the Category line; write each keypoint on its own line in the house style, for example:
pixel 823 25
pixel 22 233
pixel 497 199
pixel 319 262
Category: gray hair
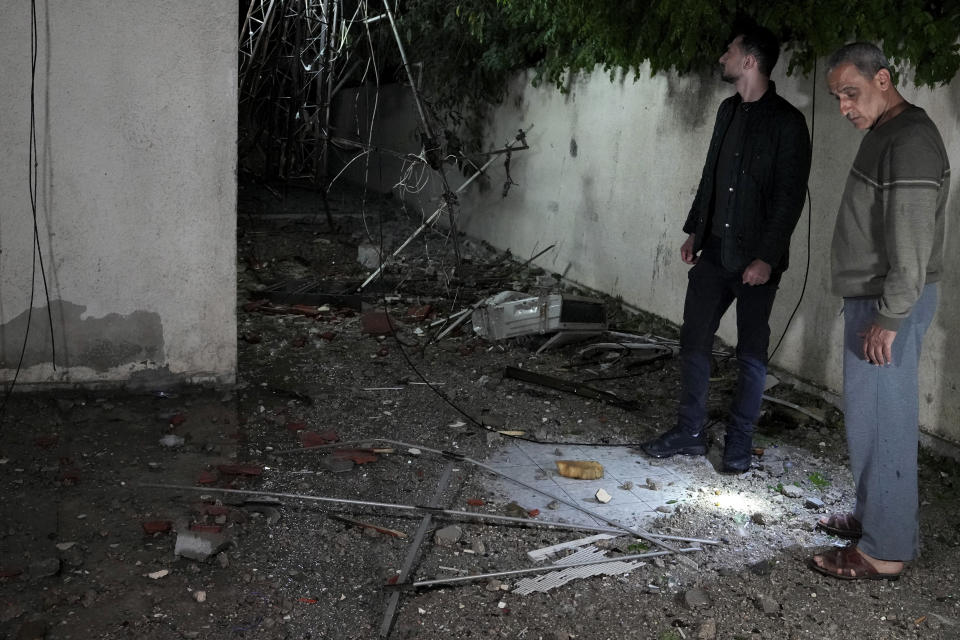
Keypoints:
pixel 866 57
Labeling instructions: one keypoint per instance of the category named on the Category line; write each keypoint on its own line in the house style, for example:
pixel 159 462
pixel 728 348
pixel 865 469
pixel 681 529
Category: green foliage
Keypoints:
pixel 470 49
pixel 818 480
pixel 638 547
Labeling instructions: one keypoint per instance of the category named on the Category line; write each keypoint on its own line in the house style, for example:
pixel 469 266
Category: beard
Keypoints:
pixel 727 76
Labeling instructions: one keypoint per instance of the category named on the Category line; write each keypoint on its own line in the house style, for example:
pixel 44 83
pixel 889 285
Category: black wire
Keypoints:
pixel 806 271
pixel 32 166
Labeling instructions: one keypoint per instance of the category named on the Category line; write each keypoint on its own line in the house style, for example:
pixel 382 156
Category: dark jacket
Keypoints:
pixel 770 186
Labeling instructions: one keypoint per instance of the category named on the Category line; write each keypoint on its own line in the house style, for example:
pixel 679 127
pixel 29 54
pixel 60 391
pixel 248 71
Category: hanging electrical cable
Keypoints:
pixel 36 250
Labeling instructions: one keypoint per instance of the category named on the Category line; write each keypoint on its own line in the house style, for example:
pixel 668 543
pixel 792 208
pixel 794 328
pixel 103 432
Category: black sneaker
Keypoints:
pixel 676 442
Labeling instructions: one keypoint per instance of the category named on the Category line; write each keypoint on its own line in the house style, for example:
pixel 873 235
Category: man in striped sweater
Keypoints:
pixel 887 256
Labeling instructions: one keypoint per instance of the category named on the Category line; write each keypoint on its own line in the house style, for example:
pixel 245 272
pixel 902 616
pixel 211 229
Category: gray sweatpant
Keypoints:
pixel 881 412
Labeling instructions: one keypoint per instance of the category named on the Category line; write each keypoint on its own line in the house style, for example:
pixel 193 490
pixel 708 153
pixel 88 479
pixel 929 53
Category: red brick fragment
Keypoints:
pixel 533 513
pixel 475 502
pixel 419 313
pixel 305 310
pixel 151 527
pixel 296 426
pixel 216 510
pixel 10 572
pixel 307 600
pixel 206 528
pixel 358 456
pixel 393 579
pixel 240 469
pixel 376 323
pixel 314 439
pixel 178 419
pixel 383 352
pixel 207 477
pixel 253 305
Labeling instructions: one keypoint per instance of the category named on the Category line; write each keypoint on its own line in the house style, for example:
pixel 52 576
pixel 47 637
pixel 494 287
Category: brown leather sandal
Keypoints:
pixel 847 564
pixel 842 525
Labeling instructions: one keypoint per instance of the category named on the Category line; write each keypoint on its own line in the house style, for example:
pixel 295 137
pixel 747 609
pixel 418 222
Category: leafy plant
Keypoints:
pixel 638 547
pixel 818 480
pixel 471 49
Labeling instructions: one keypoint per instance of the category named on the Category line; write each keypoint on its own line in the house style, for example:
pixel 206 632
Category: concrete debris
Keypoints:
pixel 602 496
pixel 45 568
pixel 548 581
pixel 199 545
pixel 172 440
pixel 792 491
pixel 814 503
pixel 707 630
pixel 539 555
pixel 696 599
pixel 156 575
pixel 200 596
pixel 448 536
pixel 768 605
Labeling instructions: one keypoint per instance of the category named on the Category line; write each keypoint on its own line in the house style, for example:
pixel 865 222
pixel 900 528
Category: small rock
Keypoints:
pixel 478 547
pixel 758 518
pixel 223 559
pixel 696 598
pixel 199 545
pixel 652 484
pixel 813 503
pixel 761 568
pixel 493 585
pixel 626 486
pixel 553 504
pixel 707 630
pixel 768 605
pixel 792 491
pixel 200 596
pixel 448 536
pixel 156 575
pixel 602 496
pixel 665 509
pixel 45 568
pixel 172 440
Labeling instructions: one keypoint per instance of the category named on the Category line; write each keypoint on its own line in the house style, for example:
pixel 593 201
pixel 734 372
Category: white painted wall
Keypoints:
pixel 136 130
pixel 615 207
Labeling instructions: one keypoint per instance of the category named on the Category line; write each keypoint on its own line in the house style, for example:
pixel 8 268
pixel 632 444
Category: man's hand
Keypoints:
pixel 757 272
pixel 877 343
pixel 686 250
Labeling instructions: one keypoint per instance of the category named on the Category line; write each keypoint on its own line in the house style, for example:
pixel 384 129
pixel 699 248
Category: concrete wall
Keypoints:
pixel 136 132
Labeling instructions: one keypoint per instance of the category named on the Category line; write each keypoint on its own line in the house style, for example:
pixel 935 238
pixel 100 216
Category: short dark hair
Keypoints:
pixel 760 43
pixel 865 56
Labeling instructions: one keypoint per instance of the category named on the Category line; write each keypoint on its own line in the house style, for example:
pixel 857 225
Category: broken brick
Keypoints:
pixel 208 477
pixel 383 352
pixel 533 513
pixel 314 439
pixel 307 600
pixel 156 526
pixel 178 419
pixel 358 456
pixel 240 469
pixel 215 510
pixel 305 310
pixel 419 313
pixel 253 305
pixel 10 572
pixel 206 528
pixel 376 323
pixel 475 502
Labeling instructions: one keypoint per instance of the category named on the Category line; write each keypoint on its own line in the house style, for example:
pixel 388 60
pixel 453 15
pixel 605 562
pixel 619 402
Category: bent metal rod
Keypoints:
pixel 416 509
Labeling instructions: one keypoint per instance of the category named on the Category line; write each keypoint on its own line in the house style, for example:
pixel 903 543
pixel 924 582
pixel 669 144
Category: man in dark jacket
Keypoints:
pixel 750 197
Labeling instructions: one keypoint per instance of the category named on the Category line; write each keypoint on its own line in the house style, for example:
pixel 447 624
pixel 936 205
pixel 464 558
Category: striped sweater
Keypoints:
pixel 889 235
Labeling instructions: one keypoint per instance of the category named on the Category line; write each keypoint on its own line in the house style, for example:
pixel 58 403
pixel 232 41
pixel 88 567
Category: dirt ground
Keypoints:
pixel 88 539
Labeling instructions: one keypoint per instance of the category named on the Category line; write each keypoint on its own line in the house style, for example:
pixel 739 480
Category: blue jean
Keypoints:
pixel 710 292
pixel 882 415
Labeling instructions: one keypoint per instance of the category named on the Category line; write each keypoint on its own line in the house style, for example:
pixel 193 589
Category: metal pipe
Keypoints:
pixel 545 569
pixel 404 507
